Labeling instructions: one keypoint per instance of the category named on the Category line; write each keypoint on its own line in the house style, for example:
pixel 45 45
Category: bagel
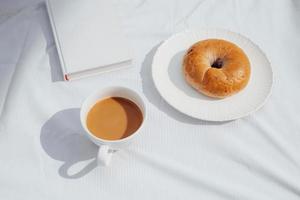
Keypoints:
pixel 216 68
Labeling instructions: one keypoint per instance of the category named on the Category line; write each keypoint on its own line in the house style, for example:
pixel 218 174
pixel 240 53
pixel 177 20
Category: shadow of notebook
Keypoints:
pixel 88 37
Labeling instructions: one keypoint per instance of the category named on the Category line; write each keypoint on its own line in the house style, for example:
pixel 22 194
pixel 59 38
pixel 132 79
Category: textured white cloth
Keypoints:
pixel 44 155
pixel 13 32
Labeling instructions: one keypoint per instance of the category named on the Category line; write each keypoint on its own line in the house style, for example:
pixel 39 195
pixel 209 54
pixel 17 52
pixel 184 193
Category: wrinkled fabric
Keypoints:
pixel 13 33
pixel 45 155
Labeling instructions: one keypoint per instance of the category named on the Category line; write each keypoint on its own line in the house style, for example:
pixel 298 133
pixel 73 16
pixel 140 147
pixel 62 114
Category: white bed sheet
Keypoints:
pixel 44 155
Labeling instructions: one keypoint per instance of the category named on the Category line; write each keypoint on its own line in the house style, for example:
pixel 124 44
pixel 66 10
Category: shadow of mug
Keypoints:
pixel 63 138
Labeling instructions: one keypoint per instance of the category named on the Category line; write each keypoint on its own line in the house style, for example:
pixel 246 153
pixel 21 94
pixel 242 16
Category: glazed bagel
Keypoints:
pixel 216 68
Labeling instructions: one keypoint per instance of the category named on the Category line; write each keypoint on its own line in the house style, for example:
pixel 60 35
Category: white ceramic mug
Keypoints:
pixel 108 147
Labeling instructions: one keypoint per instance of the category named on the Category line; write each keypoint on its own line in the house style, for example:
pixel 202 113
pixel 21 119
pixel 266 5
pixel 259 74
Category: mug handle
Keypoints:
pixel 104 155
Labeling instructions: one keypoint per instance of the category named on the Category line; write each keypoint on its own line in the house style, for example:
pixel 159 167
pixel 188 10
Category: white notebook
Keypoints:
pixel 88 37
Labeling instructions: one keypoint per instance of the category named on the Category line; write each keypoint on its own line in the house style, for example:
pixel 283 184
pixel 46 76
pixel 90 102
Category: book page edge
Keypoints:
pixel 98 70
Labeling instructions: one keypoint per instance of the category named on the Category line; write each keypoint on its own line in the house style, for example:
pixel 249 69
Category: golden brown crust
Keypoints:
pixel 231 78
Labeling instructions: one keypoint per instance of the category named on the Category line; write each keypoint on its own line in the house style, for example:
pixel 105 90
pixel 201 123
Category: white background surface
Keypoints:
pixel 44 155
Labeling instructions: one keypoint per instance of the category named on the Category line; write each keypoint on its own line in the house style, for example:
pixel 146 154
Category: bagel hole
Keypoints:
pixel 218 63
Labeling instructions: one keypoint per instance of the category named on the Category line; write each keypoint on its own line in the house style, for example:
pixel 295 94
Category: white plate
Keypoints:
pixel 170 83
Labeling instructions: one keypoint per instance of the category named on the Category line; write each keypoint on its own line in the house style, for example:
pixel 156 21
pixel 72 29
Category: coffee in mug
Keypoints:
pixel 114 118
